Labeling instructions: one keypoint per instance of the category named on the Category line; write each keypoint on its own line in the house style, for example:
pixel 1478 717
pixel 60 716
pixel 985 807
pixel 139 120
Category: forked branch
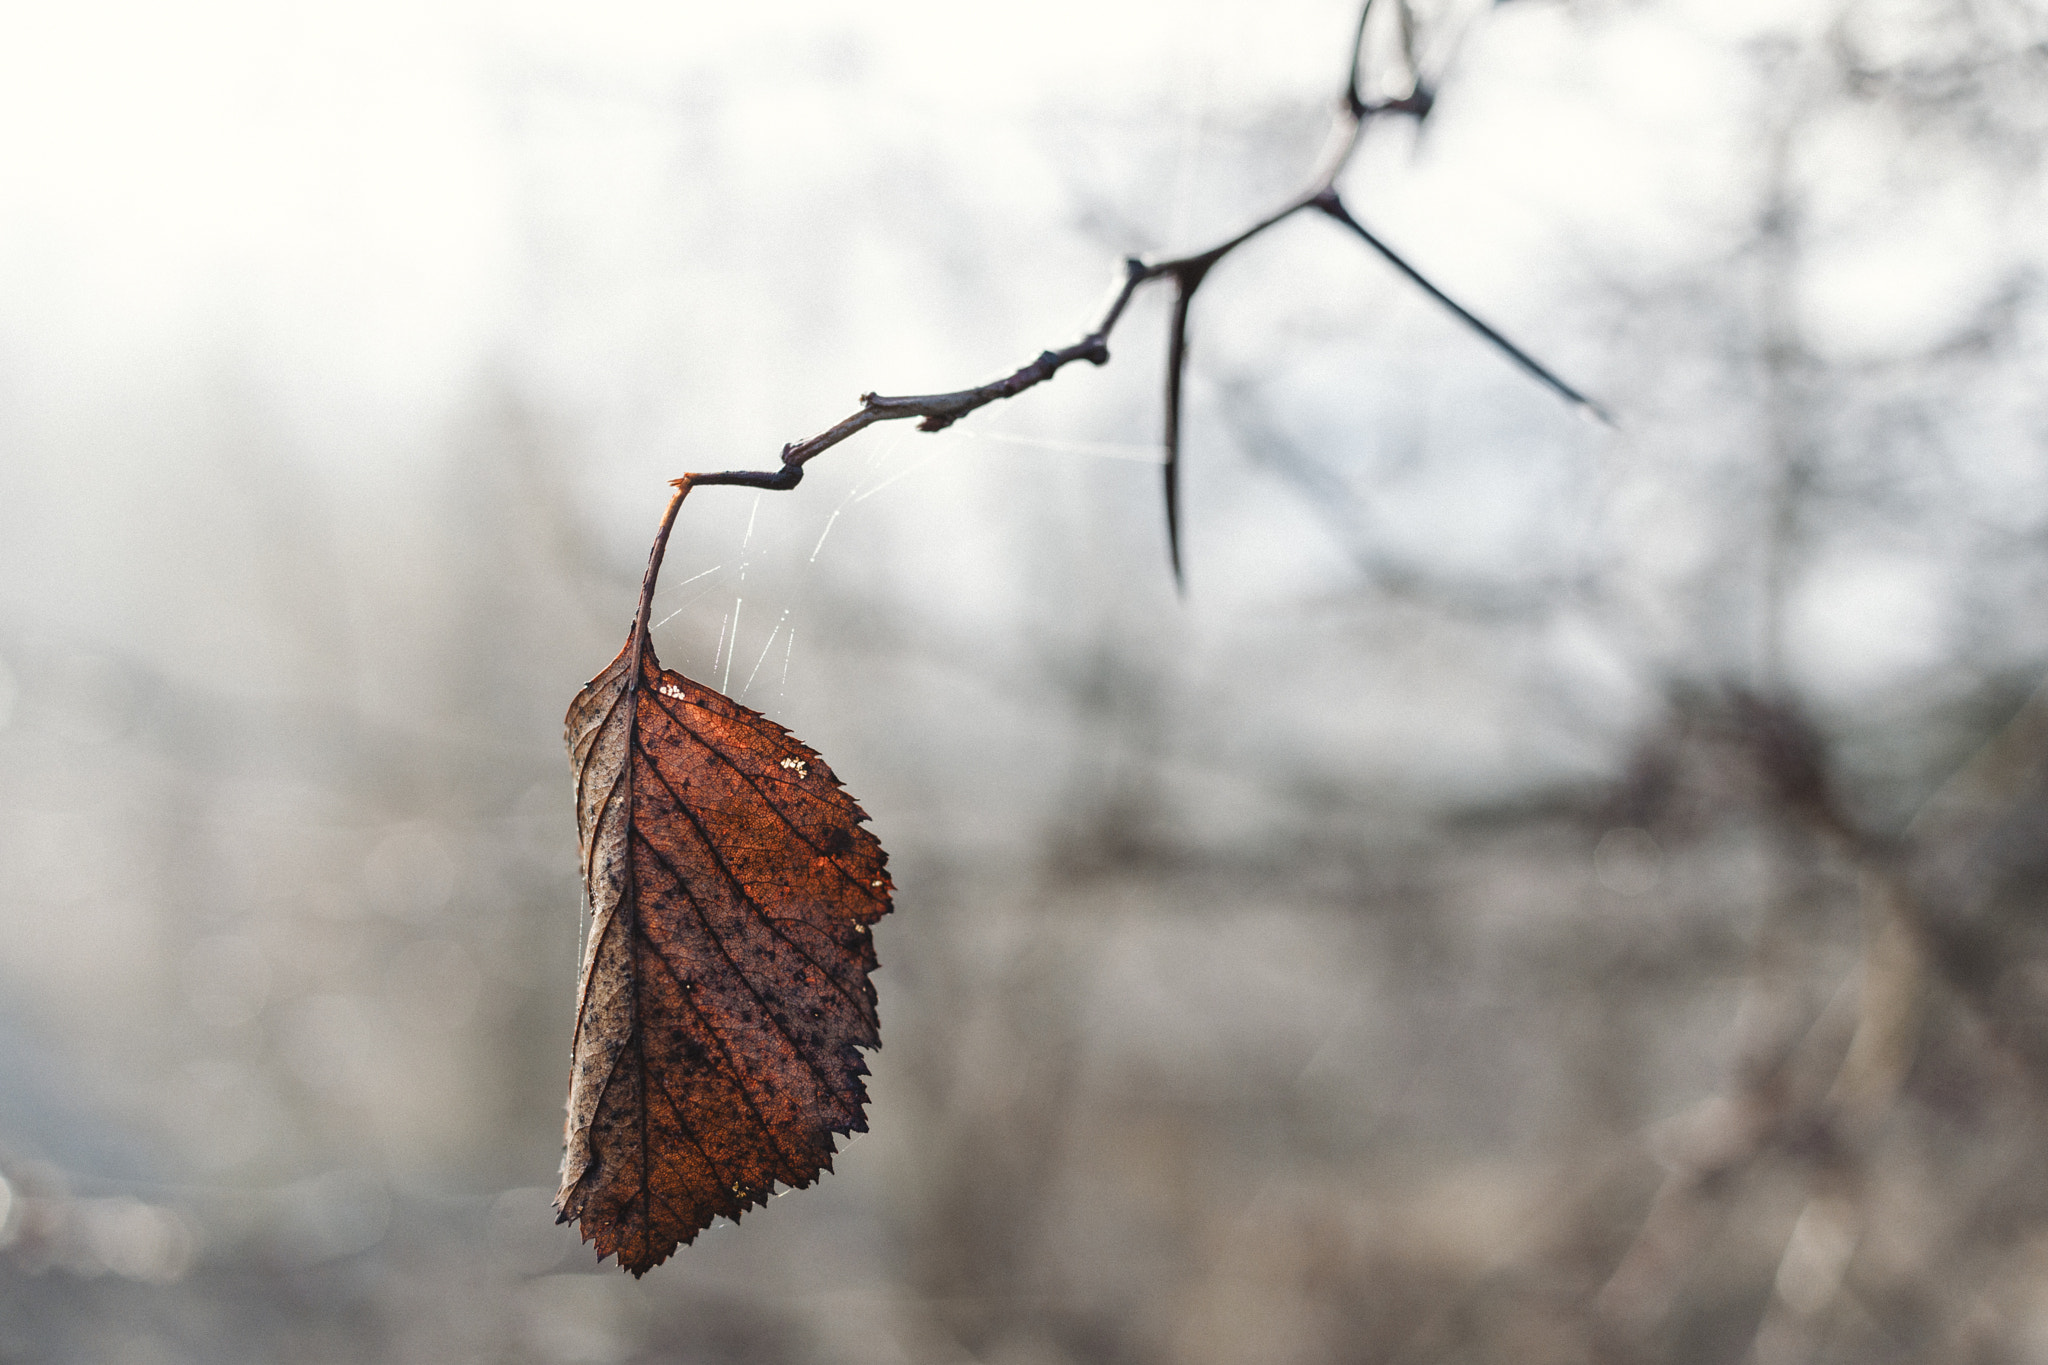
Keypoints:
pixel 937 411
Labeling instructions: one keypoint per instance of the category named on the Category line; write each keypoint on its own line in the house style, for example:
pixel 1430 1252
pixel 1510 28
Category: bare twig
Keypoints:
pixel 937 411
pixel 1328 203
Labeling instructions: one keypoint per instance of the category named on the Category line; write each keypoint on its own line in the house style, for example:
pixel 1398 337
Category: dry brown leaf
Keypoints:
pixel 725 995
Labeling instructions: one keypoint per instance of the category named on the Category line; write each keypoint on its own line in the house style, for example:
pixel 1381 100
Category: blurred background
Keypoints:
pixel 1544 893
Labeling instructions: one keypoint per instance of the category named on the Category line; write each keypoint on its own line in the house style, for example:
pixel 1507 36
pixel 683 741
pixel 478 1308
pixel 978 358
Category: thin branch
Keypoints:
pixel 940 410
pixel 654 556
pixel 1354 86
pixel 937 411
pixel 1330 204
pixel 1405 13
pixel 1185 282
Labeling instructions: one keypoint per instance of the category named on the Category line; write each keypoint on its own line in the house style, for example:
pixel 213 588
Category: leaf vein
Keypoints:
pixel 760 911
pixel 719 943
pixel 851 880
pixel 739 1074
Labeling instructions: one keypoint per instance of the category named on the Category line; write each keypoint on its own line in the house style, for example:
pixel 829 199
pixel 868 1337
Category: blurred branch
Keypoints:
pixel 1350 518
pixel 937 411
pixel 1829 1124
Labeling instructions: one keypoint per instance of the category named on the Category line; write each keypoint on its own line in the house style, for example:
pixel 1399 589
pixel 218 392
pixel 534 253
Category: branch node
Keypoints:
pixel 1417 102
